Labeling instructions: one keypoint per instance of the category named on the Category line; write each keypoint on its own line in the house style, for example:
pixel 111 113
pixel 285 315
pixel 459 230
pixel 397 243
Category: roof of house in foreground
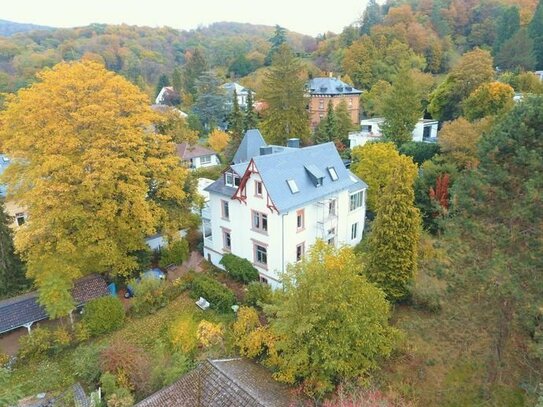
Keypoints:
pixel 223 383
pixel 24 309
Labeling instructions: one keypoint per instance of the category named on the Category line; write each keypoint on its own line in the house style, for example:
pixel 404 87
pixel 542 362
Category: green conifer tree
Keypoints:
pixel 251 117
pixel 163 81
pixel 535 29
pixel 327 129
pixel 393 242
pixel 284 92
pixel 235 118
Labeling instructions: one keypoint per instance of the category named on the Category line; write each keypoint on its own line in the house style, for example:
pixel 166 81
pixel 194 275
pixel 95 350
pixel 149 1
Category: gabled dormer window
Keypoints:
pixel 231 179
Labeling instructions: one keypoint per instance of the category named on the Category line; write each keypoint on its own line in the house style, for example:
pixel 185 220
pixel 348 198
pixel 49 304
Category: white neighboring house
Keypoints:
pixel 425 130
pixel 167 96
pixel 539 74
pixel 274 202
pixel 196 156
pixel 241 93
pixel 163 109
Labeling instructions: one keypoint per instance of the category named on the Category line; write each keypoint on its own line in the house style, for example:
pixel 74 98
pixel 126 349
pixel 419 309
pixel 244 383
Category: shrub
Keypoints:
pixel 258 293
pixel 36 344
pixel 81 332
pixel 183 334
pixel 426 295
pixel 103 315
pixel 61 339
pixel 240 269
pixel 175 253
pixel 220 297
pixel 209 334
pixel 86 363
pixel 178 365
pixel 127 362
pixel 149 296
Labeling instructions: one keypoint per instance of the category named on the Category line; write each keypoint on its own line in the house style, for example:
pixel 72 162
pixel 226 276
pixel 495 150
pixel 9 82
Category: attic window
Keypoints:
pixel 333 173
pixel 293 186
pixel 229 179
pixel 315 174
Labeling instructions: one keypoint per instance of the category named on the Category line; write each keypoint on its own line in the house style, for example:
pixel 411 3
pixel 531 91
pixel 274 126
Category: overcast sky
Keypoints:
pixel 305 16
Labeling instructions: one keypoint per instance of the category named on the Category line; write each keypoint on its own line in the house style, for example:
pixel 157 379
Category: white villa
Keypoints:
pixel 196 156
pixel 241 93
pixel 425 130
pixel 274 202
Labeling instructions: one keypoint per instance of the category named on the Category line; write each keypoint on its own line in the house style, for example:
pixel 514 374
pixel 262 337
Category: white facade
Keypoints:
pixel 425 130
pixel 271 239
pixel 203 161
pixel 241 92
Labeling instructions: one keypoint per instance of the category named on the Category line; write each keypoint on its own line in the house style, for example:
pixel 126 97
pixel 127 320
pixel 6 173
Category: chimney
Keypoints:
pixel 266 150
pixel 293 143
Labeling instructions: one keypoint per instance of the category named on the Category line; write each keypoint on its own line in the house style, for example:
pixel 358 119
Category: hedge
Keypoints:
pixel 240 269
pixel 220 297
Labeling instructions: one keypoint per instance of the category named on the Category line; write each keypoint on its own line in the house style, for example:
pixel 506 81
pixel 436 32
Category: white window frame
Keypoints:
pixel 354 231
pixel 356 200
pixel 205 159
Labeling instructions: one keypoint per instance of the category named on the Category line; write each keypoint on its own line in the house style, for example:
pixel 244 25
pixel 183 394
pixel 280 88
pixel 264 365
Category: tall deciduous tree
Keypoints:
pixel 458 142
pixel 489 99
pixel 517 53
pixel 471 71
pixel 95 180
pixel 172 124
pixel 284 92
pixel 507 26
pixel 376 163
pixel 402 109
pixel 12 273
pixel 535 29
pixel 330 323
pixel 394 238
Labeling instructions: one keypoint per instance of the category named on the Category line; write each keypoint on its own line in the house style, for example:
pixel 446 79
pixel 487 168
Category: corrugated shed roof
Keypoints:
pixel 249 146
pixel 24 309
pixel 223 383
pixel 331 86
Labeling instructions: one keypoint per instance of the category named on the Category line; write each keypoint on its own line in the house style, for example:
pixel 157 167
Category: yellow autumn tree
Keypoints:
pixel 218 140
pixel 375 163
pixel 95 179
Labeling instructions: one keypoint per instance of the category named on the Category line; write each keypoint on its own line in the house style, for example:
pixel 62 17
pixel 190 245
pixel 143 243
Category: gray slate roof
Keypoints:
pixel 25 309
pixel 331 86
pixel 249 146
pixel 300 165
pixel 223 383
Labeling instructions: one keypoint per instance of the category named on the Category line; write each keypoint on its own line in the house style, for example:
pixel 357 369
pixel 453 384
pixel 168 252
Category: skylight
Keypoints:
pixel 333 173
pixel 293 186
